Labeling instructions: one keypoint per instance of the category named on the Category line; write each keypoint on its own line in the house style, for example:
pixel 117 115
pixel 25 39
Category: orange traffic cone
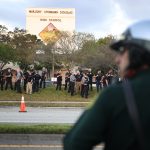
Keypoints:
pixel 22 105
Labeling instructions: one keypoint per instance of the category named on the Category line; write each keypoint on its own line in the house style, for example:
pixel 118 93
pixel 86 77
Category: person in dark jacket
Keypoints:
pixel 108 120
pixel 1 79
pixel 9 79
pixel 72 84
pixel 110 77
pixel 29 87
pixel 78 77
pixel 104 81
pixel 67 80
pixel 90 76
pixel 85 84
pixel 98 81
pixel 19 77
pixel 37 79
pixel 43 79
pixel 59 81
pixel 25 77
pixel 33 81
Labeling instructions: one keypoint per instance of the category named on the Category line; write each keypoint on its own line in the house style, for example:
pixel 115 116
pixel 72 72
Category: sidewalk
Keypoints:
pixel 45 102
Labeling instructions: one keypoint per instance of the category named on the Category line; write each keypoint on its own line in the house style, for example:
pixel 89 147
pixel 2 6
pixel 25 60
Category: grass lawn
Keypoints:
pixel 48 94
pixel 34 129
pixel 47 97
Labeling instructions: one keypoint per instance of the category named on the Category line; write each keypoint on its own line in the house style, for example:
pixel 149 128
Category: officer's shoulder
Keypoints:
pixel 112 95
pixel 113 89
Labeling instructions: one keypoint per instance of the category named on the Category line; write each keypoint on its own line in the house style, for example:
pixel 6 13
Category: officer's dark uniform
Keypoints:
pixel 69 85
pixel 104 81
pixel 8 80
pixel 34 82
pixel 109 78
pixel 37 78
pixel 72 84
pixel 98 83
pixel 1 79
pixel 18 83
pixel 67 80
pixel 25 79
pixel 90 75
pixel 43 78
pixel 85 88
pixel 59 82
pixel 78 82
pixel 108 120
pixel 115 80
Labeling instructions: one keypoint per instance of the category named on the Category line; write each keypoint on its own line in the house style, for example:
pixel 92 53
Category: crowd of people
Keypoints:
pixel 75 83
pixel 81 83
pixel 28 81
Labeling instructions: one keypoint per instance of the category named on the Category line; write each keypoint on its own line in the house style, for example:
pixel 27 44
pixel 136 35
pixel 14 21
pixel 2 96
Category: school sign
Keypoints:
pixel 47 23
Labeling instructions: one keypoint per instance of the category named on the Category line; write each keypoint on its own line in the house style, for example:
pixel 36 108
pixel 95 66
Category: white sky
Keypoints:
pixel 100 17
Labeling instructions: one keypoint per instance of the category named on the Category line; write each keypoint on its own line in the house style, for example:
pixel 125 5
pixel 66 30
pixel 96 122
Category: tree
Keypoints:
pixel 69 44
pixel 97 54
pixel 7 55
pixel 4 34
pixel 25 46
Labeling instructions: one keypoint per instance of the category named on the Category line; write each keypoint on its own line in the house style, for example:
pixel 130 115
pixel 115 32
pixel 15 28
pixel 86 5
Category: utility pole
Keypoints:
pixel 53 62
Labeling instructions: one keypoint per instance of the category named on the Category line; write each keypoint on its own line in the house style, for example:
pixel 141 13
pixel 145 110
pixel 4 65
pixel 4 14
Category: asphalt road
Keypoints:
pixel 33 142
pixel 36 115
pixel 40 115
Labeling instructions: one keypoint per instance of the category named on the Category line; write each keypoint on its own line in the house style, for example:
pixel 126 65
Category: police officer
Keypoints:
pixel 37 78
pixel 78 82
pixel 59 81
pixel 29 83
pixel 25 75
pixel 104 81
pixel 72 83
pixel 67 79
pixel 1 79
pixel 108 121
pixel 43 78
pixel 33 81
pixel 9 79
pixel 90 76
pixel 85 86
pixel 98 81
pixel 18 81
pixel 109 77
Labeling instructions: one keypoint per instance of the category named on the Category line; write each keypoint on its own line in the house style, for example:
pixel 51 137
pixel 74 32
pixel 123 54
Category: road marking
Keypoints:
pixel 37 146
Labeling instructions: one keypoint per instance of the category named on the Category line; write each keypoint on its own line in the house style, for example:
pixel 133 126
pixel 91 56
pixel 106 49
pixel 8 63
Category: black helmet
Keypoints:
pixel 138 34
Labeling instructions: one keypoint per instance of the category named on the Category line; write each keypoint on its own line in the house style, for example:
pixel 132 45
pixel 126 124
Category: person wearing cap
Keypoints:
pixel 1 79
pixel 108 121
